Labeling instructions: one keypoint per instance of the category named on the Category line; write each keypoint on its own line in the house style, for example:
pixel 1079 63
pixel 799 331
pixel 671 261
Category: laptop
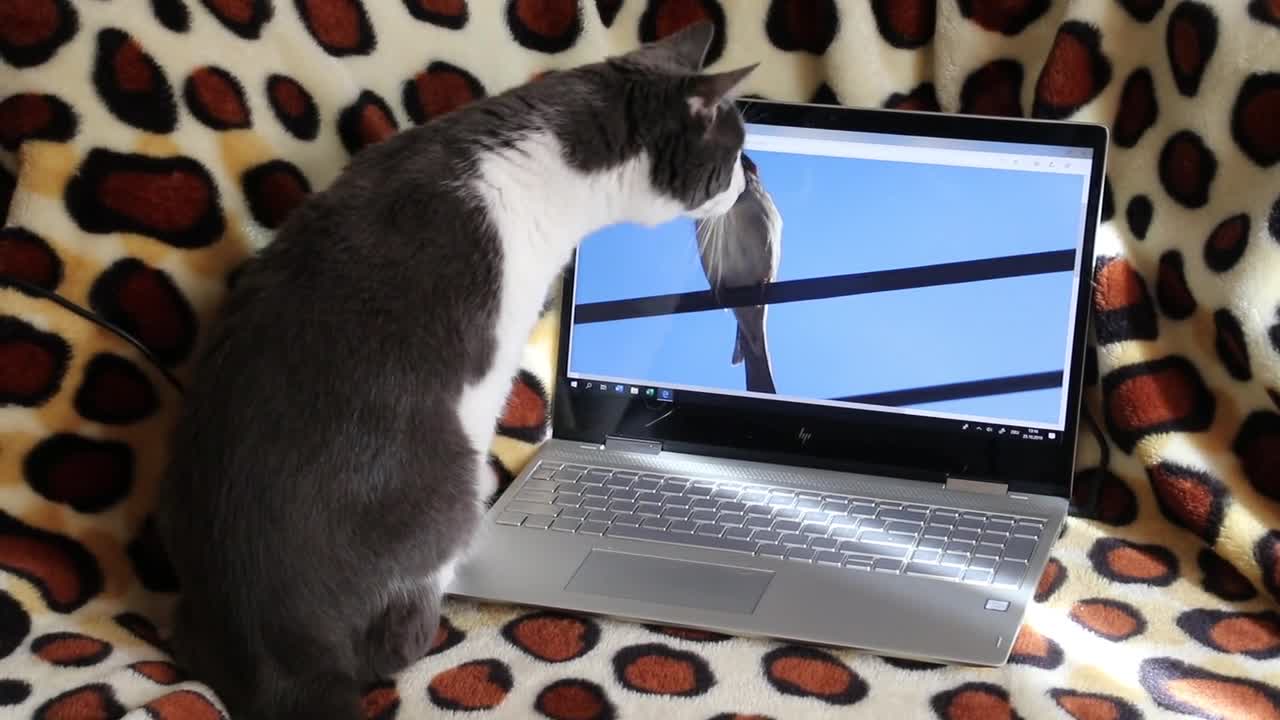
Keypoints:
pixel 899 482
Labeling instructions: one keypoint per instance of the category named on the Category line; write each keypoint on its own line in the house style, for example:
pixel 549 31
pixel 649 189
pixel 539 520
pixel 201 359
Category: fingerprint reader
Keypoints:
pixel 997 605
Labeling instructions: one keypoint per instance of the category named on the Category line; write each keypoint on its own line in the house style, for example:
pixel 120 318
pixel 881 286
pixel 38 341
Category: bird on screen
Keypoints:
pixel 743 248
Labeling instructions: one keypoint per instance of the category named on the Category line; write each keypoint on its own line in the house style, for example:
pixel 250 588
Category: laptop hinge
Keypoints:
pixel 642 447
pixel 985 487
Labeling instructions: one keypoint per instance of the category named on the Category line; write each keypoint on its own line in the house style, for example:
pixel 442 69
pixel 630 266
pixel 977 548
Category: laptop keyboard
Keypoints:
pixel 831 529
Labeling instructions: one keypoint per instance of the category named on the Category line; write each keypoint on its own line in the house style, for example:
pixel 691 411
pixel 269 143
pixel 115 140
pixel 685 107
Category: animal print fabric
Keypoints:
pixel 149 147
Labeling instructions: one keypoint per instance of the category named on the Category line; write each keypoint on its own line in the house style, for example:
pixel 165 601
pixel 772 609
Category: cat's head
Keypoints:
pixel 685 120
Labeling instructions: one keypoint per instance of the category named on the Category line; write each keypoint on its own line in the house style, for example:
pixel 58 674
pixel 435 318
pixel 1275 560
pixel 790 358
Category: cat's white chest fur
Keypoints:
pixel 541 208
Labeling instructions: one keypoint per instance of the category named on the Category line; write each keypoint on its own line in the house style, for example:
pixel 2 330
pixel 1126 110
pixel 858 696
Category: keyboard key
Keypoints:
pixel 648 509
pixel 918 508
pixel 886 538
pixel 565 476
pixel 531 508
pixel 593 491
pixel 887 565
pixel 861 548
pixel 542 473
pixel 703 516
pixel 930 543
pixel 738 533
pixel 844 532
pixel 766 536
pixel 655 523
pixel 511 518
pixel 806 503
pixel 650 497
pixel 936 531
pixel 618 482
pixel 986 550
pixel 1001 518
pixel 909 515
pixel 799 553
pixel 567 501
pixel 570 488
pixel 946 521
pixel 860 559
pixel 704 504
pixel 824 543
pixel 758 522
pixel 542 522
pixel 772 550
pixel 891 504
pixel 788 514
pixel 794 539
pixel 676 513
pixel 959 546
pixel 786 526
pixel 760 510
pixel 927 556
pixel 965 523
pixel 680 501
pixel 733 506
pixel 622 506
pixel 535 496
pixel 907 528
pixel 724 494
pixel 938 571
pixel 857 563
pixel 955 559
pixel 835 507
pixel 715 543
pixel 627 495
pixel 872 524
pixel 644 485
pixel 699 491
pixel 983 563
pixel 575 513
pixel 541 485
pixel 999 526
pixel 672 488
pixel 1027 530
pixel 993 539
pixel 828 557
pixel 862 510
pixel 1009 573
pixel 976 576
pixel 816 516
pixel 814 529
pixel 725 518
pixel 629 474
pixel 627 519
pixel 683 526
pixel 565 525
pixel 973 515
pixel 577 468
pixel 1019 548
pixel 709 529
pixel 592 528
pixel 965 535
pixel 753 497
pixel 595 503
pixel 601 516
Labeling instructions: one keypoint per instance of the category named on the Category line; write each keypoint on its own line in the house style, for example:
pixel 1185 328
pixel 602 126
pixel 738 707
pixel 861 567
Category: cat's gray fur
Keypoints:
pixel 320 476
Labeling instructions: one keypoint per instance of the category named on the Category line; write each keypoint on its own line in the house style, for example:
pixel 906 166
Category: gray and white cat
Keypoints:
pixel 329 468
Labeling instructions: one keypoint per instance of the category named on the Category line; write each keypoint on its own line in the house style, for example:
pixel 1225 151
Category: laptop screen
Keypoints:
pixel 917 278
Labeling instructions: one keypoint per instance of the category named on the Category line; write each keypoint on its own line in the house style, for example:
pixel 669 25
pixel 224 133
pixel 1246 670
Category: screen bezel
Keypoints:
pixel 804 435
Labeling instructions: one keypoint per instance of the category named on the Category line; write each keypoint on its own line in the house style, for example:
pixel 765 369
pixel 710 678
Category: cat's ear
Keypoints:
pixel 705 92
pixel 685 49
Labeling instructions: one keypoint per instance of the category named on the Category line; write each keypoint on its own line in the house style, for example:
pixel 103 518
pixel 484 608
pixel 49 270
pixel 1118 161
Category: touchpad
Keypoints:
pixel 670 582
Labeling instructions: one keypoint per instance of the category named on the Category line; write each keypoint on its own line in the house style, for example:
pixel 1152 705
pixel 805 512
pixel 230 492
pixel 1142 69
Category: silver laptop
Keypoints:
pixel 897 479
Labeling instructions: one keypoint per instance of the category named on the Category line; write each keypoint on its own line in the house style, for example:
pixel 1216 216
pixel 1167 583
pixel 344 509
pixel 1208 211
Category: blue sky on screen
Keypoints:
pixel 843 215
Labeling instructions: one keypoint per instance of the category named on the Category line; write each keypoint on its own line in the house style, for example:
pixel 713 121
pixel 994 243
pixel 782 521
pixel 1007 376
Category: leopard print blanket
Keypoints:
pixel 149 147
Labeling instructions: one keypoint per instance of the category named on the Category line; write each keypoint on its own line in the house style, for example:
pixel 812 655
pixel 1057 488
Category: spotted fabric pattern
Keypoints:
pixel 144 155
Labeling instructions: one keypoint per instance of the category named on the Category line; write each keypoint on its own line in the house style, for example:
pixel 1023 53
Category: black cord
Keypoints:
pixel 97 320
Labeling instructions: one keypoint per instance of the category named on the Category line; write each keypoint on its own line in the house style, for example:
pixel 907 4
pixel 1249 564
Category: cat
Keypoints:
pixel 328 470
